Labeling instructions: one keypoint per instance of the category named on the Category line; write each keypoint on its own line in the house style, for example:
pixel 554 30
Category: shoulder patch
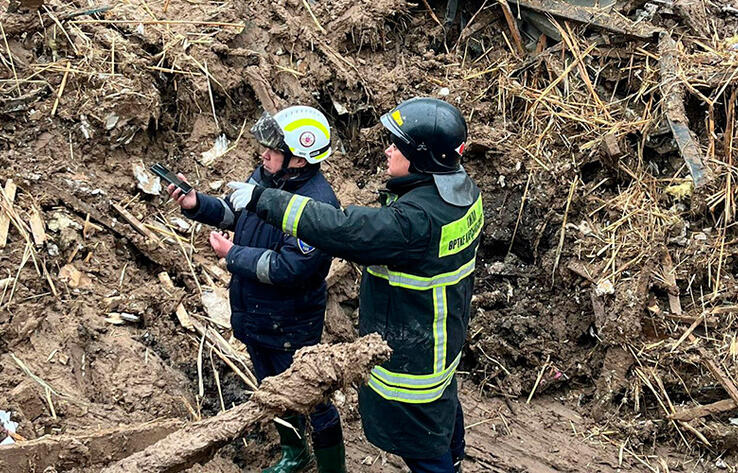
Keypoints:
pixel 304 247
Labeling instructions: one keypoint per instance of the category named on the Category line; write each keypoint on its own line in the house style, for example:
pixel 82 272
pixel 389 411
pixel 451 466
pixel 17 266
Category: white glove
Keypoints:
pixel 241 195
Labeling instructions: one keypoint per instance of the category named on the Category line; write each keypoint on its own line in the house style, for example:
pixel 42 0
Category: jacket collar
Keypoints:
pixel 404 184
pixel 398 186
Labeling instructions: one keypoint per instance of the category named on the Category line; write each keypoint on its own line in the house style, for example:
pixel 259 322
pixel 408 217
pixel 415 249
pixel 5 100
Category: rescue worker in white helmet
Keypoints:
pixel 278 290
pixel 419 250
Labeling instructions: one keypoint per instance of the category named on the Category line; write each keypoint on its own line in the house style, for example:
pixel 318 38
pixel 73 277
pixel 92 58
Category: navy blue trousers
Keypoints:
pixel 444 463
pixel 324 420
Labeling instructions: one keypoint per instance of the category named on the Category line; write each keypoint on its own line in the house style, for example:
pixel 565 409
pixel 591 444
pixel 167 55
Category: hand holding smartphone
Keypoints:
pixel 171 178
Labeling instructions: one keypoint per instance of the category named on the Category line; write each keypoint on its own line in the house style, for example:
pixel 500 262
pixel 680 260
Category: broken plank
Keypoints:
pixel 513 25
pixel 37 227
pixel 674 94
pixel 708 321
pixel 9 196
pixel 705 410
pixel 136 223
pixel 183 317
pixel 65 452
pixel 599 17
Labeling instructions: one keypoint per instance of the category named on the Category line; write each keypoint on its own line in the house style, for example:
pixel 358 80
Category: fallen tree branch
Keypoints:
pixel 706 410
pixel 64 452
pixel 316 372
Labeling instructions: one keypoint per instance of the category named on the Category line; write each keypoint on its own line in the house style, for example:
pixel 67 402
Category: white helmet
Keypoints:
pixel 300 130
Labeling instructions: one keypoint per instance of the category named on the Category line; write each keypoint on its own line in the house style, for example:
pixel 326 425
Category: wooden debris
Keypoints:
pixel 673 93
pixel 716 371
pixel 315 373
pixel 688 332
pixel 513 25
pixel 136 223
pixel 432 13
pixel 219 273
pixel 37 227
pixel 60 92
pixel 65 452
pixel 180 311
pixel 263 90
pixel 9 196
pixel 166 281
pixel 184 317
pixel 223 349
pixel 675 305
pixel 580 268
pixel 598 17
pixel 706 358
pixel 706 410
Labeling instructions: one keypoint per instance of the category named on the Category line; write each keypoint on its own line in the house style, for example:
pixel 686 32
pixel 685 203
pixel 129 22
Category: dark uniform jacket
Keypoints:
pixel 277 290
pixel 419 253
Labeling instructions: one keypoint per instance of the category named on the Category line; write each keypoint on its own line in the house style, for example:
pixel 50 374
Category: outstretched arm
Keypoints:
pixel 366 235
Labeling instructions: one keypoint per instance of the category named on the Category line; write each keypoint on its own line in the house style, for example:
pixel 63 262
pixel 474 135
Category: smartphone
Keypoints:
pixel 170 177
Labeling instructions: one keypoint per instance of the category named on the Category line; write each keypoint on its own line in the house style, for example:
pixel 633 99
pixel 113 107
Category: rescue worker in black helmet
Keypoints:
pixel 278 290
pixel 419 249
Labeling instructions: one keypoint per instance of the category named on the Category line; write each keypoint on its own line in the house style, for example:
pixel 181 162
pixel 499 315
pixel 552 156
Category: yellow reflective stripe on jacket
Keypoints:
pixel 416 381
pixel 440 311
pixel 422 283
pixel 411 396
pixel 292 214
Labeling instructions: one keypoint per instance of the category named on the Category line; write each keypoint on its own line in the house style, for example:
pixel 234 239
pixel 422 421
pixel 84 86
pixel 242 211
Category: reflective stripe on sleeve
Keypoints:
pixel 292 214
pixel 263 266
pixel 228 216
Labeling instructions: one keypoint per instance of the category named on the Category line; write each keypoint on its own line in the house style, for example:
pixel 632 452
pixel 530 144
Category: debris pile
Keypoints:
pixel 624 183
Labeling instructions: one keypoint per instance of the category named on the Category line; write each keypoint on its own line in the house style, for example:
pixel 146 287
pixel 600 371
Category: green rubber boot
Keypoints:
pixel 295 451
pixel 331 459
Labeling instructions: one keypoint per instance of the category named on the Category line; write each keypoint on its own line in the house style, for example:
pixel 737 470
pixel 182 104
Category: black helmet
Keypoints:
pixel 429 132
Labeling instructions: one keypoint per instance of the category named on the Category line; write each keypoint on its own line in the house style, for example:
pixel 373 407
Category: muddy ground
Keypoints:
pixel 592 225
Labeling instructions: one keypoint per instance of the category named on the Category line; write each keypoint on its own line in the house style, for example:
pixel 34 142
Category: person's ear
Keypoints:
pixel 298 162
